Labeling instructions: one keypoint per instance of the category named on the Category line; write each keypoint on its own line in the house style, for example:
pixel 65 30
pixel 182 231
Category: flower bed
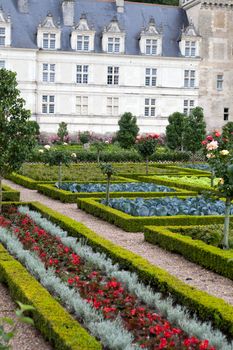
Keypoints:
pixel 119 187
pixel 168 206
pixel 106 290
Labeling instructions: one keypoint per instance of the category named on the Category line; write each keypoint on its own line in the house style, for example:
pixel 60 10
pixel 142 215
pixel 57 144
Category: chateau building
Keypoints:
pixel 86 62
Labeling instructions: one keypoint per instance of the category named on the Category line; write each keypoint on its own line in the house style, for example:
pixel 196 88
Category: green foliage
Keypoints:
pixel 108 170
pixel 179 240
pixel 62 131
pixel 17 135
pixel 36 127
pixel 195 130
pixel 175 131
pixel 128 131
pixel 84 137
pixel 99 146
pixel 227 131
pixel 146 145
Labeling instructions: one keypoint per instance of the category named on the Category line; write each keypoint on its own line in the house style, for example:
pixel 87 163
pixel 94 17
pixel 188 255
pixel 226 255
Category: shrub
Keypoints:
pixel 62 131
pixel 126 136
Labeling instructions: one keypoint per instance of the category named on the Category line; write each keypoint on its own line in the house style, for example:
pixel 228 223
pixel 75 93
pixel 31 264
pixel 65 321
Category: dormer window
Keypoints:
pixel 113 40
pixel 114 45
pixel 190 48
pixel 150 40
pixel 49 41
pixel 83 42
pixel 83 36
pixel 5 29
pixel 151 46
pixel 48 34
pixel 190 42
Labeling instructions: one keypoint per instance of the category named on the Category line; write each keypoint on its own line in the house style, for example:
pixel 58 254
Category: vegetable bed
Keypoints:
pixel 115 307
pixel 169 206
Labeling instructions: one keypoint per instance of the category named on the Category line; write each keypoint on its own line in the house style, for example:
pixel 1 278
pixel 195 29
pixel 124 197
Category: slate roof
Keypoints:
pixel 99 13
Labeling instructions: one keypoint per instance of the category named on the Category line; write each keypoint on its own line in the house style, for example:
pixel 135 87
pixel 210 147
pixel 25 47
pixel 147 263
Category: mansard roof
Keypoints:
pixel 99 14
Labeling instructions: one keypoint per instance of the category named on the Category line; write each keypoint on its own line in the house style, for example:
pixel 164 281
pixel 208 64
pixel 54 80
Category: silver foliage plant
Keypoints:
pixel 177 315
pixel 114 337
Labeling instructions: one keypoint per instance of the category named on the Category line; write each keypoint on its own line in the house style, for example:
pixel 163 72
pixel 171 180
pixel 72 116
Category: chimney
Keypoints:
pixel 68 12
pixel 23 6
pixel 120 6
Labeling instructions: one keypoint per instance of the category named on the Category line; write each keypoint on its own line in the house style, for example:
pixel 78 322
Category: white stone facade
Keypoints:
pixel 90 90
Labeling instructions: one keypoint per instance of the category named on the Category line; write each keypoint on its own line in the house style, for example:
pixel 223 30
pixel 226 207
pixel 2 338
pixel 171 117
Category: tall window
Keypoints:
pixel 49 41
pixel 112 105
pixel 48 104
pixel 82 74
pixel 226 114
pixel 188 106
pixel 2 36
pixel 83 42
pixel 48 72
pixel 189 78
pixel 190 48
pixel 113 76
pixel 149 107
pixel 151 46
pixel 2 64
pixel 114 45
pixel 82 105
pixel 150 76
pixel 219 82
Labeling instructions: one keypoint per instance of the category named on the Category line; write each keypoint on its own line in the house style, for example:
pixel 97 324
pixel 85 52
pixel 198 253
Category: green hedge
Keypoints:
pixel 205 305
pixel 213 258
pixel 188 170
pixel 23 180
pixel 136 223
pixel 9 194
pixel 69 197
pixel 161 181
pixel 53 321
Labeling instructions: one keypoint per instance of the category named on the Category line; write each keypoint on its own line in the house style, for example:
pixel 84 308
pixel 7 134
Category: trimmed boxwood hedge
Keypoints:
pixel 187 170
pixel 206 306
pixel 69 197
pixel 166 182
pixel 136 223
pixel 53 321
pixel 9 194
pixel 210 257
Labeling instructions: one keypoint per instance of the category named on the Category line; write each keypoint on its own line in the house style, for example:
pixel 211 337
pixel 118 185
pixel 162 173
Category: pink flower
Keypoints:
pixel 209 138
pixel 212 145
pixel 217 134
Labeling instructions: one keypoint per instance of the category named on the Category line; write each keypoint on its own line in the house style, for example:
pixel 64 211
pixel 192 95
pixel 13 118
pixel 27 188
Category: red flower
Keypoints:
pixel 163 343
pixel 71 281
pixel 109 309
pixel 209 138
pixel 36 247
pixel 204 345
pixel 112 284
pixel 204 143
pixel 66 250
pixel 217 134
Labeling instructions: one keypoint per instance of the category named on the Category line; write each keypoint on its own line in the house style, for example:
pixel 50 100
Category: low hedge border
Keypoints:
pixel 33 184
pixel 69 197
pixel 9 194
pixel 197 251
pixel 136 223
pixel 53 321
pixel 188 170
pixel 206 306
pixel 161 181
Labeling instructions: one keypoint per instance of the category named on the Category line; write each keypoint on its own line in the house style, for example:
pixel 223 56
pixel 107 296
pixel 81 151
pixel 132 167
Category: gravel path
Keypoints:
pixel 27 337
pixel 176 265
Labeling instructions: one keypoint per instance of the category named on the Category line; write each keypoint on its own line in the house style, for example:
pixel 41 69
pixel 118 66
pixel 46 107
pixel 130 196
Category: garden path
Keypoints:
pixel 188 272
pixel 27 337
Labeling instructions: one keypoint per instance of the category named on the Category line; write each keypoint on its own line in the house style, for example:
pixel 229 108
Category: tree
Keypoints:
pixel 17 134
pixel 99 146
pixel 146 146
pixel 84 137
pixel 195 130
pixel 107 170
pixel 62 131
pixel 220 158
pixel 175 131
pixel 127 134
